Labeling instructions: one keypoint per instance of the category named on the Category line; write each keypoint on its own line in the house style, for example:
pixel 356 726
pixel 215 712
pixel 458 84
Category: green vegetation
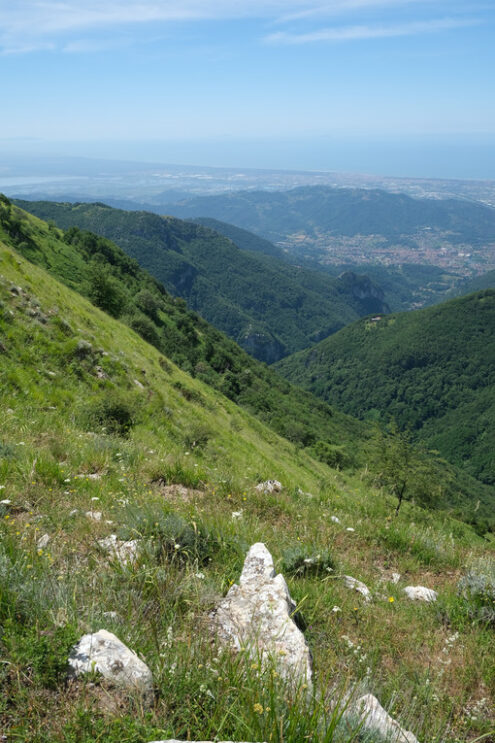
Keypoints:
pixel 431 370
pixel 95 419
pixel 485 281
pixel 102 272
pixel 314 210
pixel 266 305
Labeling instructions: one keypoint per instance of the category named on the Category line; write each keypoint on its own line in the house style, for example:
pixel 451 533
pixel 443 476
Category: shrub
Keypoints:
pixel 115 412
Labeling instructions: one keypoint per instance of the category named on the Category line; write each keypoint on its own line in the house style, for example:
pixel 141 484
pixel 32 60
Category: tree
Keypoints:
pixel 405 468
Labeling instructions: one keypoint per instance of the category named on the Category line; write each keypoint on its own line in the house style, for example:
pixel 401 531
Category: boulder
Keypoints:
pixel 43 541
pixel 105 653
pixel 124 552
pixel 375 719
pixel 356 585
pixel 256 616
pixel 269 486
pixel 420 593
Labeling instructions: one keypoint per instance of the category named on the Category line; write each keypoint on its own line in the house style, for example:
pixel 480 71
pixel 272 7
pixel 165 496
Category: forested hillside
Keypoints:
pixel 266 305
pixel 433 370
pixel 342 211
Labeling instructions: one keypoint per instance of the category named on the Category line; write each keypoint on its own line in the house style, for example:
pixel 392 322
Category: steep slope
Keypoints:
pixel 267 306
pixel 114 282
pixel 101 271
pixel 433 370
pixel 102 437
pixel 242 238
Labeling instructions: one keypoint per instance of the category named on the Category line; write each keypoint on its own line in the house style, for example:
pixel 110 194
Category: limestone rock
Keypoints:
pixel 94 515
pixel 43 541
pixel 256 615
pixel 335 519
pixel 356 585
pixel 104 652
pixel 269 486
pixel 420 593
pixel 124 552
pixel 376 720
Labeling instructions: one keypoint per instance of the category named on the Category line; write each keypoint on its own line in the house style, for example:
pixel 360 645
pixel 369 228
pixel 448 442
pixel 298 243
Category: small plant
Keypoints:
pixel 300 560
pixel 477 589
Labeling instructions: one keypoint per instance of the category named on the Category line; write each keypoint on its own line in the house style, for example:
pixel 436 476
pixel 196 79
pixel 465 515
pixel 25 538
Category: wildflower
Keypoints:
pixel 268 709
pixel 254 666
pixel 199 576
pixel 29 567
pixel 391 600
pixel 336 609
pixel 258 708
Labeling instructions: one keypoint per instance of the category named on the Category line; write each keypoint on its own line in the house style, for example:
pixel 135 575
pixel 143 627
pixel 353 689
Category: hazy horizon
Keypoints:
pixel 388 87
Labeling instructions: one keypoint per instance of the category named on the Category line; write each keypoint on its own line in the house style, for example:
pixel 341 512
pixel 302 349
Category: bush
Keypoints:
pixel 115 412
pixel 331 454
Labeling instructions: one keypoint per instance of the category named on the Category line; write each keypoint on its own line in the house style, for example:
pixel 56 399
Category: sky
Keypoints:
pixel 394 87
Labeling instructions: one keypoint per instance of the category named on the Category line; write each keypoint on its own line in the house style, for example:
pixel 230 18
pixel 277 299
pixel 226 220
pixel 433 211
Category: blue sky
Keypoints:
pixel 261 83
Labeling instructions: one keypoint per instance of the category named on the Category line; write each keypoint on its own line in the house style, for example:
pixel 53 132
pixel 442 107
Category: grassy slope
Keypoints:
pixel 52 446
pixel 266 305
pixel 182 335
pixel 433 370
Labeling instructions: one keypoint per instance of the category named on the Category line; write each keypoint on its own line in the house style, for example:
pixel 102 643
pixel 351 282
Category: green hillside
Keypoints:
pixel 343 211
pixel 97 421
pixel 433 370
pixel 242 238
pixel 266 305
pixel 114 282
pixel 102 272
pixel 485 281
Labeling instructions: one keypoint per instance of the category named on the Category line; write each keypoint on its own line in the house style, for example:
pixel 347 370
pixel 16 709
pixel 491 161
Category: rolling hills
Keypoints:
pixel 102 435
pixel 433 370
pixel 268 306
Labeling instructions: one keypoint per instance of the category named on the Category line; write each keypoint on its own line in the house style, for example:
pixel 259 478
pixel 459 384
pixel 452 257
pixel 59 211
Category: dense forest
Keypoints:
pixel 432 370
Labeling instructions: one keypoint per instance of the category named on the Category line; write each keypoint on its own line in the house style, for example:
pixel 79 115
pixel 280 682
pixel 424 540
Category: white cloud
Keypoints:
pixel 26 25
pixel 354 33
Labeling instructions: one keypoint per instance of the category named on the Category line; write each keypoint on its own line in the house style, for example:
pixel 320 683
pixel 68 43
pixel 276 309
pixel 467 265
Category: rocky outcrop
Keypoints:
pixel 104 653
pixel 256 616
pixel 420 593
pixel 375 719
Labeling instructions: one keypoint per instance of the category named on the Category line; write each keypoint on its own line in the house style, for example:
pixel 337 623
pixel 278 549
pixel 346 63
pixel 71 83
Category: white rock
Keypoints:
pixel 124 552
pixel 395 578
pixel 94 515
pixel 420 593
pixel 5 502
pixel 43 541
pixel 335 519
pixel 349 528
pixel 376 720
pixel 74 512
pixel 256 615
pixel 356 585
pixel 111 615
pixel 104 652
pixel 269 486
